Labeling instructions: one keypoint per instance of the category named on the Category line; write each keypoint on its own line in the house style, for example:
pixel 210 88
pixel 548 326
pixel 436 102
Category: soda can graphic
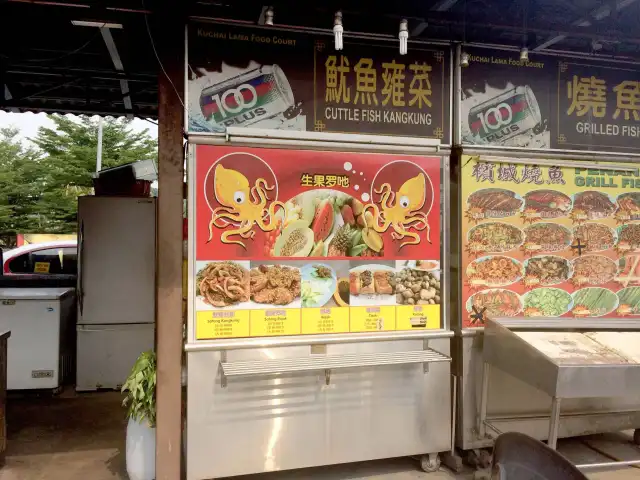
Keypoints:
pixel 247 98
pixel 505 116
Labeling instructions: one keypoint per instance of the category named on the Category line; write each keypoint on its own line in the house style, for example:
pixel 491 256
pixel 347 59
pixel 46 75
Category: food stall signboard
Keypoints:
pixel 549 102
pixel 242 76
pixel 292 242
pixel 553 241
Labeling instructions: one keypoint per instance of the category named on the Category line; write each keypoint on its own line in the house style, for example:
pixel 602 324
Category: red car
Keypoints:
pixel 60 257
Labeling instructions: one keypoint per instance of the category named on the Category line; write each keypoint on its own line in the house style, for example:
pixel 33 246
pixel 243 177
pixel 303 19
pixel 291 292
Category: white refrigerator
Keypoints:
pixel 116 288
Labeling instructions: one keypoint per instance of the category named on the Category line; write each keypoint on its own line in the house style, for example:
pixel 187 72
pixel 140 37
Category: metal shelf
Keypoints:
pixel 329 362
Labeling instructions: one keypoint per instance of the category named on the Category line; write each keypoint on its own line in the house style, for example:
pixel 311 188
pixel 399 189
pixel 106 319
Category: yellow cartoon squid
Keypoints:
pixel 401 210
pixel 232 191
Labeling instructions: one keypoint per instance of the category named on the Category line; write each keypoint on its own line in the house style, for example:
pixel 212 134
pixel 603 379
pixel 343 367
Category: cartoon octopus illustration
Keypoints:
pixel 404 213
pixel 232 192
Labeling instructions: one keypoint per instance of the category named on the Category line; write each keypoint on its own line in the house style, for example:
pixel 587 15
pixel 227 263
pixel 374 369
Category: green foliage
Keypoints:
pixel 20 184
pixel 140 388
pixel 39 187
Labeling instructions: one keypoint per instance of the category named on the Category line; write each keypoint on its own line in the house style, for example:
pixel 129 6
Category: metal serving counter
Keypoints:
pixel 514 405
pixel 328 404
pixel 562 364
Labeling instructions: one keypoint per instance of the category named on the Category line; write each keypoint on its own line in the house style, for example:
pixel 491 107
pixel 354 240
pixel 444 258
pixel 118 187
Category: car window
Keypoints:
pixel 47 261
pixel 70 260
pixel 21 264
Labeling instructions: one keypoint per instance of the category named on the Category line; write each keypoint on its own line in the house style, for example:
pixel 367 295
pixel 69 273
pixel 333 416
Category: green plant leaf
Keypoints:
pixel 139 389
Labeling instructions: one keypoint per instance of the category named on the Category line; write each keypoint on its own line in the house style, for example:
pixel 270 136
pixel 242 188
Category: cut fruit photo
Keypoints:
pixel 324 223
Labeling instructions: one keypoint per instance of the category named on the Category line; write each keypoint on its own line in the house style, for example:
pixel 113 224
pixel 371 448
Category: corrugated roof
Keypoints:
pixel 48 64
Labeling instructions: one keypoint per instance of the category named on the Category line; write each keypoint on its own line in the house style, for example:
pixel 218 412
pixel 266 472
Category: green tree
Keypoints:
pixel 21 183
pixel 70 151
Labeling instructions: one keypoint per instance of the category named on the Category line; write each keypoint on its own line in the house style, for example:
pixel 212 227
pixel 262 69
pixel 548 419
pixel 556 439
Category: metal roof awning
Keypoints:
pixel 81 56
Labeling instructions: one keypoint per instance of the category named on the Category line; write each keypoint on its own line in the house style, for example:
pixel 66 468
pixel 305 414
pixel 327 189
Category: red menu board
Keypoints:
pixel 292 242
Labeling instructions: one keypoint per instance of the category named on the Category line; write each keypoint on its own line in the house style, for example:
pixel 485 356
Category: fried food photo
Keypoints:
pixel 222 284
pixel 367 282
pixel 275 284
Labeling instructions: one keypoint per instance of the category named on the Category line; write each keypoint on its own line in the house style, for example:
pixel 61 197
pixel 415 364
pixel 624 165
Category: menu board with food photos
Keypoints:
pixel 549 241
pixel 293 242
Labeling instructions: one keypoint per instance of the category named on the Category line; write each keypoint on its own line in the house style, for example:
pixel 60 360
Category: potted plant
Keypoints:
pixel 140 399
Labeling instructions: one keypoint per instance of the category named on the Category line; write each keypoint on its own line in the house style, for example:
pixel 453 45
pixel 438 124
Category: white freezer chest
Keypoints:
pixel 41 322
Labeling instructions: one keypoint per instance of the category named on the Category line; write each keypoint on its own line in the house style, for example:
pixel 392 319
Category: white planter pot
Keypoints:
pixel 141 451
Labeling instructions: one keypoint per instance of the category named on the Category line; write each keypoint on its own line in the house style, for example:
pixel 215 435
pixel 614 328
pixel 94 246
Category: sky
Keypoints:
pixel 28 123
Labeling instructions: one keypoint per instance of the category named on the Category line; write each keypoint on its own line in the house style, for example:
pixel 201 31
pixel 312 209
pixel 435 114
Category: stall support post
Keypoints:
pixel 484 394
pixel 168 34
pixel 554 423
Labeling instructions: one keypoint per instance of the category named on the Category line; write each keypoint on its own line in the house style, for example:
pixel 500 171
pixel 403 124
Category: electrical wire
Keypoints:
pixel 65 55
pixel 153 45
pixel 50 89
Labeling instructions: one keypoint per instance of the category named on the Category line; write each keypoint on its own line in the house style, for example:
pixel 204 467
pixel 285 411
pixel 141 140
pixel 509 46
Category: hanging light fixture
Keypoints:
pixel 464 59
pixel 403 35
pixel 337 30
pixel 268 17
pixel 524 54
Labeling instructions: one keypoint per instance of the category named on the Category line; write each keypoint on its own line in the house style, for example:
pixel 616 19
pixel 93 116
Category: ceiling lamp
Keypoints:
pixel 337 30
pixel 524 54
pixel 268 17
pixel 464 59
pixel 403 35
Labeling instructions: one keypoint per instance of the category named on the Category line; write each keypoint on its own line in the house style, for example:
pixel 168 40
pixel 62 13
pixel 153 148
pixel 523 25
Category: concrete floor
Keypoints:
pixel 82 437
pixel 69 437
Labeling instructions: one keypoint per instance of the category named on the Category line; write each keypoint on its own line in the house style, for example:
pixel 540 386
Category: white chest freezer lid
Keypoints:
pixel 34 293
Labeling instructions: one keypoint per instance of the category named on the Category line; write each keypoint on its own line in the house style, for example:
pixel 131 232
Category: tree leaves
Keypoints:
pixel 39 187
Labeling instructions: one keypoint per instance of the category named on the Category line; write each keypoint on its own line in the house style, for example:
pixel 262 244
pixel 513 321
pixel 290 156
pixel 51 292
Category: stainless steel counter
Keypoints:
pixel 563 364
pixel 273 417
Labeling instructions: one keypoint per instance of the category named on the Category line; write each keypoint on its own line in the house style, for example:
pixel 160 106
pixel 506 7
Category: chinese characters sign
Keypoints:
pixel 549 103
pixel 549 241
pixel 304 242
pixel 369 89
pixel 294 81
pixel 600 107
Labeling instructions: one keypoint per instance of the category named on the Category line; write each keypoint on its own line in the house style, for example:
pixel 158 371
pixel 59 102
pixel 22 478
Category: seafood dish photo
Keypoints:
pixel 592 205
pixel 221 284
pixel 496 271
pixel 417 287
pixel 547 270
pixel 546 302
pixel 498 303
pixel 318 285
pixel 367 282
pixel 628 238
pixel 628 301
pixel 492 203
pixel 629 206
pixel 629 270
pixel 546 204
pixel 494 237
pixel 546 237
pixel 593 302
pixel 595 237
pixel 275 284
pixel 593 270
pixel 427 265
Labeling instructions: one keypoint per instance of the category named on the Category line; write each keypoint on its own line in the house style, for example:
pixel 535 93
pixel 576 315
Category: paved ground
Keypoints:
pixel 81 437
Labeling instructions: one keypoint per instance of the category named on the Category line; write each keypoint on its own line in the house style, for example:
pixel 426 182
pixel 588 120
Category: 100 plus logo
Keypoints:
pixel 233 106
pixel 495 123
pixel 495 118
